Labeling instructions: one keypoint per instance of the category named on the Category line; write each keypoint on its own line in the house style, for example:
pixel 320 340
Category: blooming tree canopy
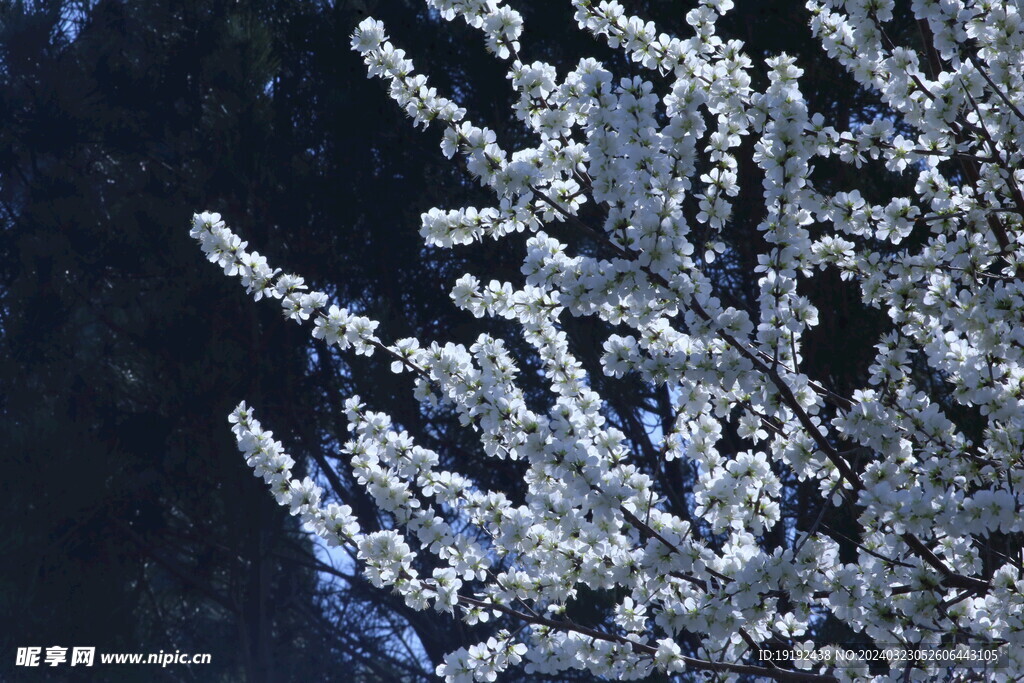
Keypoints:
pixel 619 163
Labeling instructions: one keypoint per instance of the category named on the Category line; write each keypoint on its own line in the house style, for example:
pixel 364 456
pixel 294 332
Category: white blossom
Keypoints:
pixel 647 167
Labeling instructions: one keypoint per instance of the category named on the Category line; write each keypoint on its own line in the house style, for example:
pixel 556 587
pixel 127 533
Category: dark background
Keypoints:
pixel 129 520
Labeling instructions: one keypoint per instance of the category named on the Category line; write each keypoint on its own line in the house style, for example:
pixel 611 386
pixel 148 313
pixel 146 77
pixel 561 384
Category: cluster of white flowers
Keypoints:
pixel 939 550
